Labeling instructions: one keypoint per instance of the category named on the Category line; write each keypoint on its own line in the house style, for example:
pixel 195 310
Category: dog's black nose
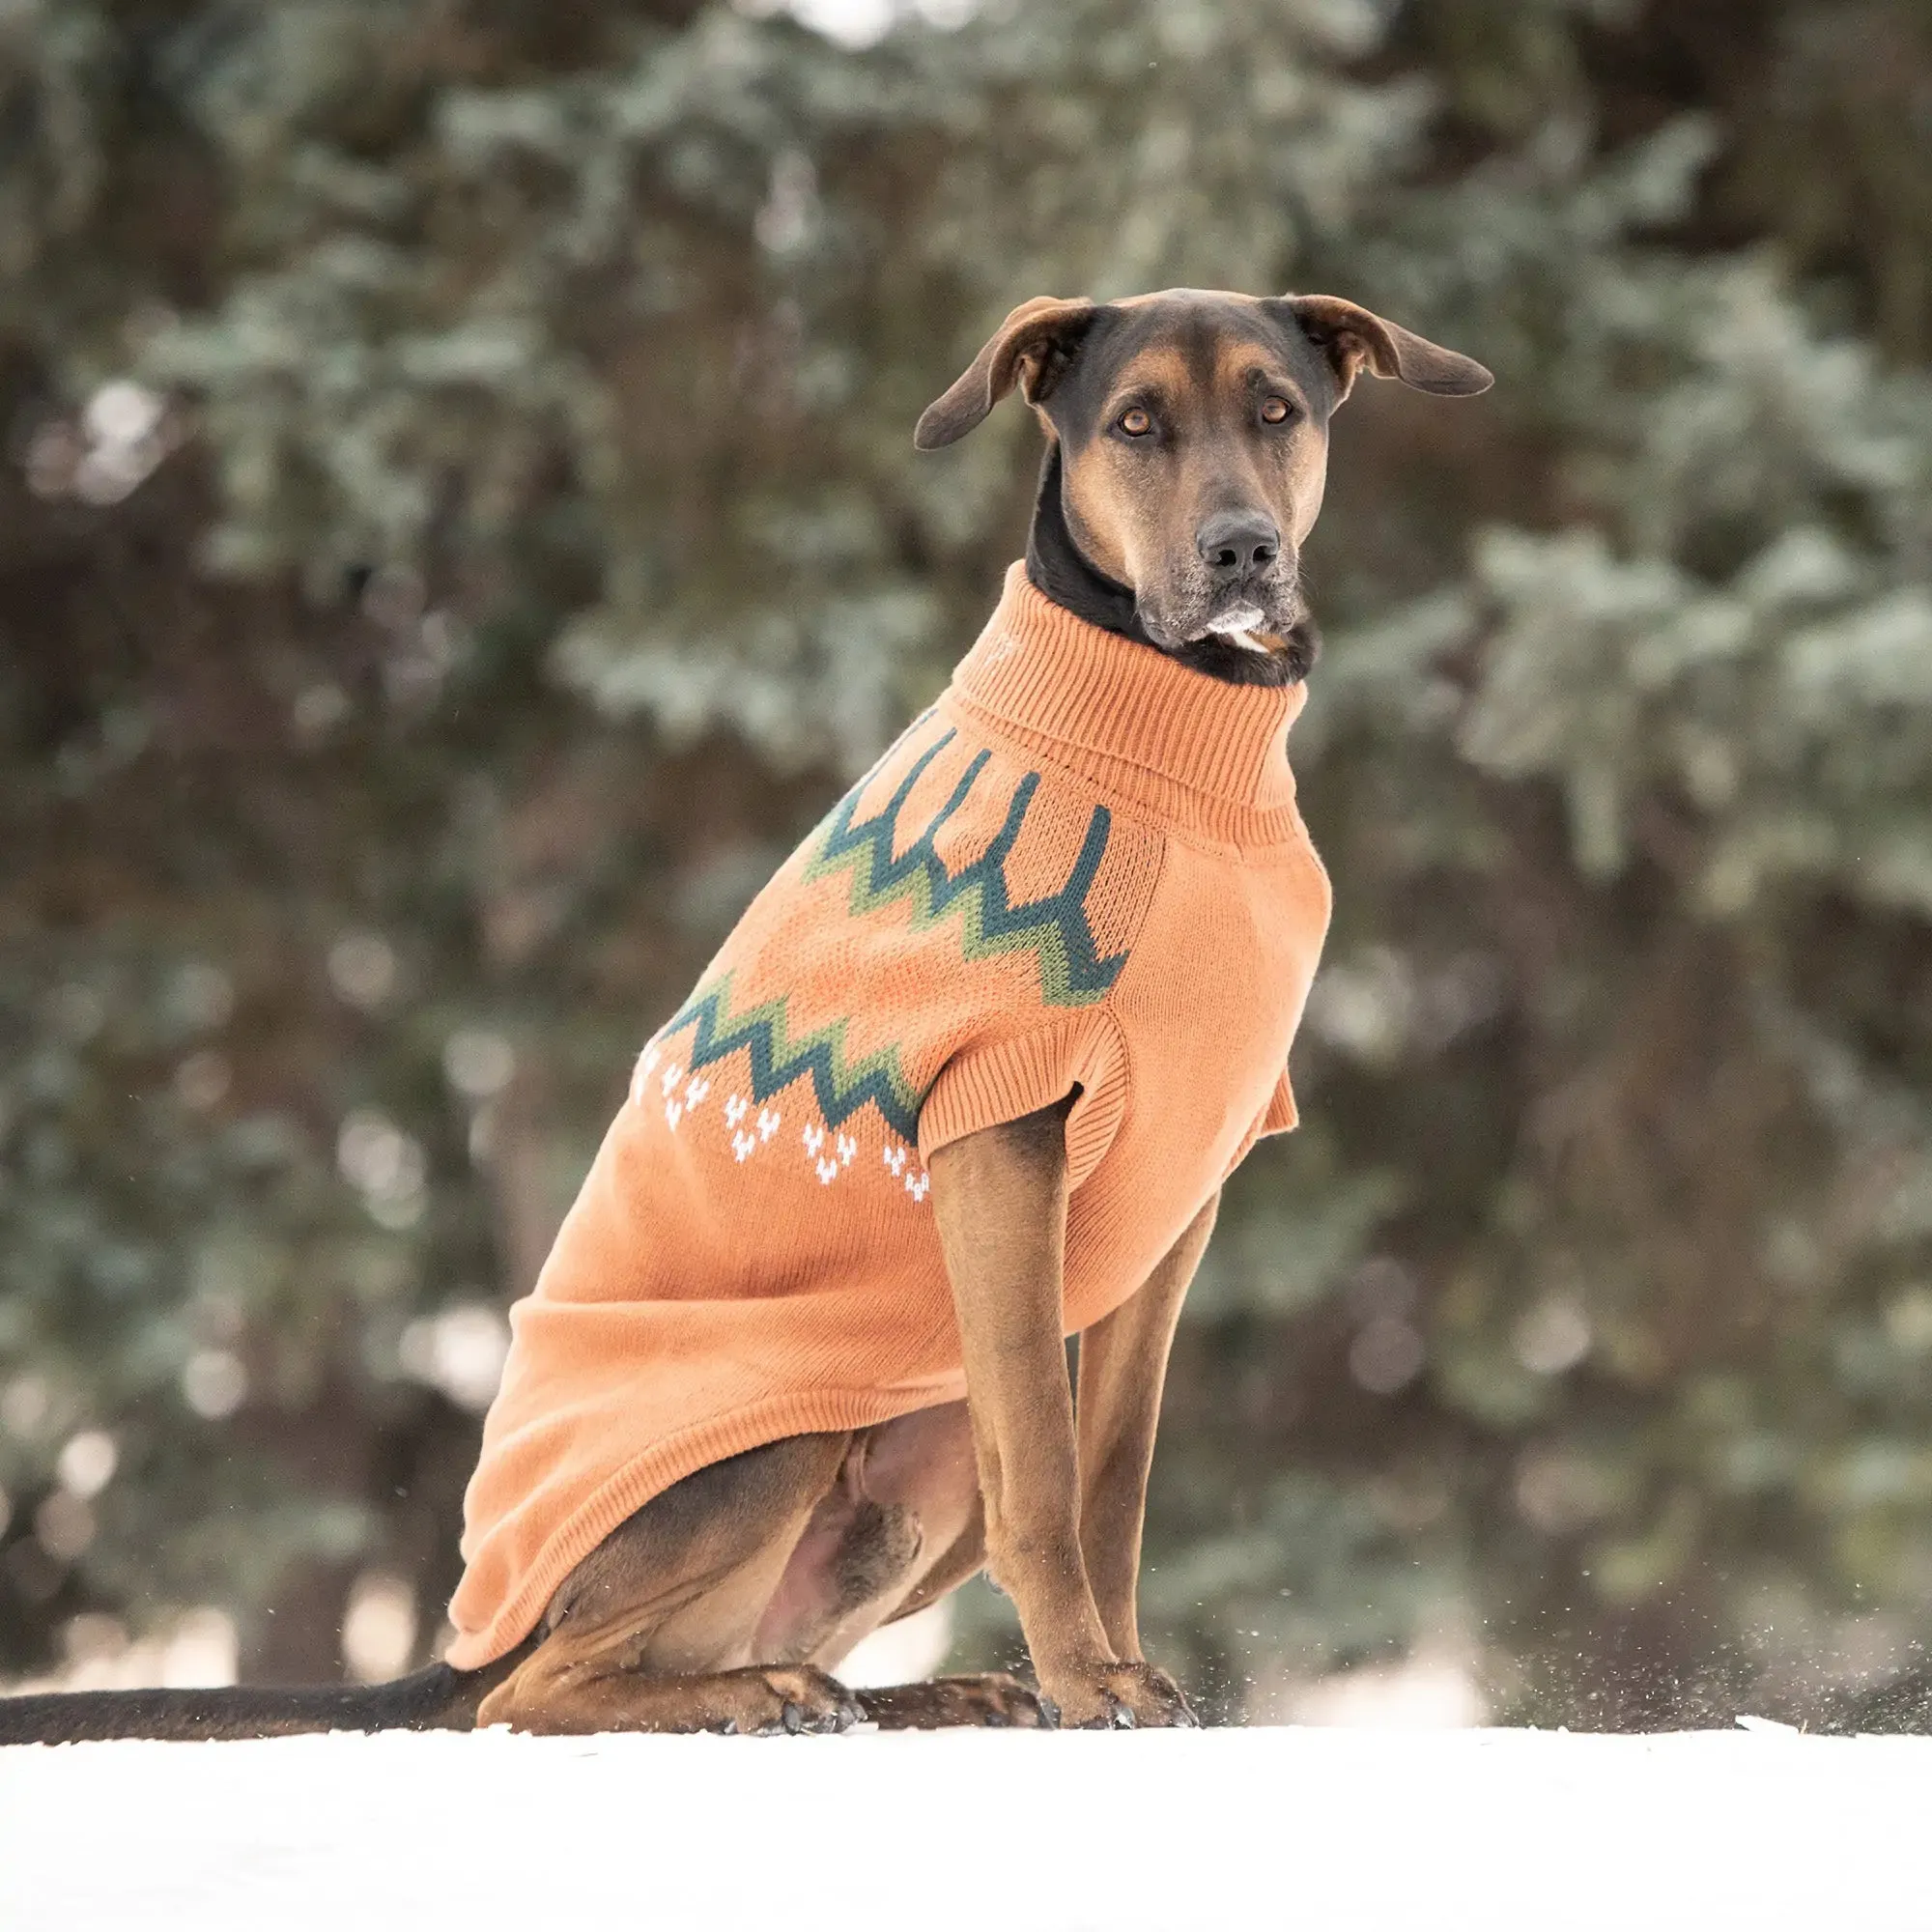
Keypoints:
pixel 1234 542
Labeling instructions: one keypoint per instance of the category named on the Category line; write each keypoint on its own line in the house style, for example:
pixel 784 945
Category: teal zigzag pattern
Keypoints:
pixel 1073 972
pixel 1054 929
pixel 776 1060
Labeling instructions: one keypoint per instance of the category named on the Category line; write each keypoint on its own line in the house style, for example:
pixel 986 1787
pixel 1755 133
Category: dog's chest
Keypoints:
pixel 1241 941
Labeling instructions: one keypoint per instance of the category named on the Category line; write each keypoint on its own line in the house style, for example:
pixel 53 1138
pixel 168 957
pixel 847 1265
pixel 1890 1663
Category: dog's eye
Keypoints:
pixel 1277 410
pixel 1134 422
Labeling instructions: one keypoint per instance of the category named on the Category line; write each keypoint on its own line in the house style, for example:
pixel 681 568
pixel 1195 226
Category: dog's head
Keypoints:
pixel 1192 431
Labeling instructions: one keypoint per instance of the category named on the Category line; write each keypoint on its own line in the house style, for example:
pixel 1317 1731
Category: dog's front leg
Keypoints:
pixel 1000 1197
pixel 1122 1367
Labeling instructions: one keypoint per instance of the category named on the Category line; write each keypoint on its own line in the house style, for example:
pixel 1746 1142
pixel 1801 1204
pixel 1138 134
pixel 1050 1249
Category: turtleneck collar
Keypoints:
pixel 1183 745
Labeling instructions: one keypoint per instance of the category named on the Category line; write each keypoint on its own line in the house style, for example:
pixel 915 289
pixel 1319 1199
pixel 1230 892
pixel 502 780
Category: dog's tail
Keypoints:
pixel 435 1699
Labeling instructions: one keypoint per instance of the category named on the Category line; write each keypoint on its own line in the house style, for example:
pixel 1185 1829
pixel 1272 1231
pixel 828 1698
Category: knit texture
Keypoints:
pixel 1083 867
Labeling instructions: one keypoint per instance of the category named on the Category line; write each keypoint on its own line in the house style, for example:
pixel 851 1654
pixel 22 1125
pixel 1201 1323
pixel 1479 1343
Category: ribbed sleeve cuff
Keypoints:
pixel 1276 1118
pixel 1282 1114
pixel 987 1085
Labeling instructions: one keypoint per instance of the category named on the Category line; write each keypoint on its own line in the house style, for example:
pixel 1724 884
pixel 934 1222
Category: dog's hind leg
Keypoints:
pixel 576 1686
pixel 655 1630
pixel 723 1604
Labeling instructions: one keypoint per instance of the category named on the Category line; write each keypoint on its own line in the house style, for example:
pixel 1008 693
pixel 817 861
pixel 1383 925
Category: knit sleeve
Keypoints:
pixel 986 1085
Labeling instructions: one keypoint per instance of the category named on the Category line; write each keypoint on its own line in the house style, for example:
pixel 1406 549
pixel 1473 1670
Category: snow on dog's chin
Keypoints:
pixel 1234 625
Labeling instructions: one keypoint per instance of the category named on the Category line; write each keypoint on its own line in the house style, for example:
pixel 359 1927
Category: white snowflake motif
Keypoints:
pixel 743 1145
pixel 647 1064
pixel 736 1107
pixel 672 1075
pixel 905 1168
pixel 827 1165
pixel 768 1121
pixel 695 1090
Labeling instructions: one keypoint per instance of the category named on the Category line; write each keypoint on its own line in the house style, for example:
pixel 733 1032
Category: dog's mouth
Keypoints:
pixel 1257 633
pixel 1254 617
pixel 1236 623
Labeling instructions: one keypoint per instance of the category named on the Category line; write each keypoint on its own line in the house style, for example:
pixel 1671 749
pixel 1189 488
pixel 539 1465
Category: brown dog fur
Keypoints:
pixel 727 1603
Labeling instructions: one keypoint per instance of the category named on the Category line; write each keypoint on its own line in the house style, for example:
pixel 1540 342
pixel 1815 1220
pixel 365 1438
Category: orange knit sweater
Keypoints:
pixel 1083 866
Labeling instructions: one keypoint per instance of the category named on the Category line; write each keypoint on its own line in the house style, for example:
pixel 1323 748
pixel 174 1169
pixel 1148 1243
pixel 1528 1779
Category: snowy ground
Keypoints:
pixel 994 1831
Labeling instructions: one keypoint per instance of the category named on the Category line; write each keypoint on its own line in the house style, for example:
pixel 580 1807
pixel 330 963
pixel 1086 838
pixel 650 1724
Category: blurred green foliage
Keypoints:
pixel 458 524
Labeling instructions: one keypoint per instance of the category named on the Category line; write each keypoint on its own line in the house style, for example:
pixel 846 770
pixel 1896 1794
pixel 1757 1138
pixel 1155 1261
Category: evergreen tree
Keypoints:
pixel 460 526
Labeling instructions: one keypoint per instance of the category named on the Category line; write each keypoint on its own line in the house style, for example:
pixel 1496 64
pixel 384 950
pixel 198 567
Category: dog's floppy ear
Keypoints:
pixel 1354 338
pixel 1021 350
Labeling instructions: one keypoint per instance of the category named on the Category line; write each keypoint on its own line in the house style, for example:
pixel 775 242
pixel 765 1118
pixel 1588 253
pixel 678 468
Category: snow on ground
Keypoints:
pixel 999 1831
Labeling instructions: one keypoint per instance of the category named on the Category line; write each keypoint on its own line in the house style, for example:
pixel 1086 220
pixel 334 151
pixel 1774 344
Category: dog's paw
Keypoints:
pixel 1111 1697
pixel 778 1700
pixel 992 1700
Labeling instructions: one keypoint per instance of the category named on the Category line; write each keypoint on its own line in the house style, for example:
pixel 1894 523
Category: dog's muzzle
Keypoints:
pixel 1248 613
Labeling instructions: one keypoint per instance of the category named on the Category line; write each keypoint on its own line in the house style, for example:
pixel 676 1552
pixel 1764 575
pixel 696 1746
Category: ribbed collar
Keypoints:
pixel 1184 746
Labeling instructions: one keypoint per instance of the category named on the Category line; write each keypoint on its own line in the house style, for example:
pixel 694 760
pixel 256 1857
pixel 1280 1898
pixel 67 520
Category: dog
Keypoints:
pixel 714 1568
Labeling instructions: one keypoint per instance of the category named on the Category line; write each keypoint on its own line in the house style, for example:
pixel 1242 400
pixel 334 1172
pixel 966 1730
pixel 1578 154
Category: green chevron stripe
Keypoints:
pixel 1054 929
pixel 777 1059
